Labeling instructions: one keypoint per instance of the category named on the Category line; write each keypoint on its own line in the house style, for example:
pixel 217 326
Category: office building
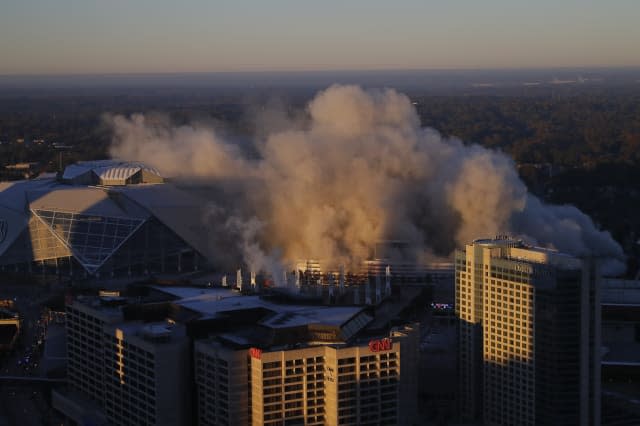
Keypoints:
pixel 529 335
pixel 621 329
pixel 212 356
pixel 620 351
pixel 125 372
pixel 304 364
pixel 366 383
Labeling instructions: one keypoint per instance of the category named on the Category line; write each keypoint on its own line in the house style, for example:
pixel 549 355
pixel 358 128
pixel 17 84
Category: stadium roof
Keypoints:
pixel 61 205
pixel 107 171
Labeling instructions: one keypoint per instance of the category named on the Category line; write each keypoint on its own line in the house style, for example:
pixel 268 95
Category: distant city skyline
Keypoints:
pixel 76 37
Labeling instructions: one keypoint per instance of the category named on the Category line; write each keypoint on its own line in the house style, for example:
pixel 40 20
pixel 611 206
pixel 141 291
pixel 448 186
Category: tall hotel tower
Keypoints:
pixel 529 335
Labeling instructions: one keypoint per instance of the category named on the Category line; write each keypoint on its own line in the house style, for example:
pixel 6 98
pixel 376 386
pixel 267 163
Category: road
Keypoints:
pixel 24 403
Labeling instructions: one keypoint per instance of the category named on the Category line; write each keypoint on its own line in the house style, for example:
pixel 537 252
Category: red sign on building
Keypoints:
pixel 380 345
pixel 255 353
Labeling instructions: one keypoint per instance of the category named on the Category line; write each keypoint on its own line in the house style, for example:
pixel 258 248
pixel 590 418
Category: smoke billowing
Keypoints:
pixel 361 169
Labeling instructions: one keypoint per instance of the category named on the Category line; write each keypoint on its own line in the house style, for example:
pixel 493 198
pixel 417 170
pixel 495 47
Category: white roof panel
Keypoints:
pixel 107 169
pixel 177 209
pixel 120 172
pixel 74 170
pixel 13 195
pixel 84 200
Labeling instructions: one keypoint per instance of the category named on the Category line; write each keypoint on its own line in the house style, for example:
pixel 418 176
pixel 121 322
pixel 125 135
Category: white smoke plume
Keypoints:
pixel 360 170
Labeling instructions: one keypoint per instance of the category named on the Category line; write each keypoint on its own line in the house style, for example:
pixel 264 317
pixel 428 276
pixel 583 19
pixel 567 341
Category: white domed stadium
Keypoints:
pixel 110 173
pixel 100 218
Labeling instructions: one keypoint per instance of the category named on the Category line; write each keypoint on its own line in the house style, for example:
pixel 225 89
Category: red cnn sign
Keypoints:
pixel 380 345
pixel 255 353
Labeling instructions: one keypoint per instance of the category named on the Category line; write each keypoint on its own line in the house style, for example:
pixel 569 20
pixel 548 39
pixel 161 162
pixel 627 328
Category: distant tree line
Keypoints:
pixel 580 130
pixel 575 131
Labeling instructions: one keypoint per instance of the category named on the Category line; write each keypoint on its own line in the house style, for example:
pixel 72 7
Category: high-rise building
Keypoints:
pixel 529 335
pixel 620 351
pixel 358 384
pixel 123 371
pixel 236 359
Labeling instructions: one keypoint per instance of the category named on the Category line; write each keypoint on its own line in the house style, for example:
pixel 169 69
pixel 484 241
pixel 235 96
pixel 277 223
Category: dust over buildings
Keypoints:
pixel 359 169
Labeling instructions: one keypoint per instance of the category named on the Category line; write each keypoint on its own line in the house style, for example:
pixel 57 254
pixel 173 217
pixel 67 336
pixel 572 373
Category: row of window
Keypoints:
pixel 292 363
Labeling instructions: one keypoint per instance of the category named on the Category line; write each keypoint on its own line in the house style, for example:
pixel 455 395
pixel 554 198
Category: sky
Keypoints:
pixel 149 36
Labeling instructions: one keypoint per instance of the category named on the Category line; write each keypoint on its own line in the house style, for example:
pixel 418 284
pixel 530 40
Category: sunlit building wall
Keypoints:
pixel 373 383
pixel 132 372
pixel 146 374
pixel 528 335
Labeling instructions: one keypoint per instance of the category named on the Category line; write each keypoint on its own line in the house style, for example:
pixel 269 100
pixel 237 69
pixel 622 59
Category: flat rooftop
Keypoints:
pixel 299 316
pixel 621 292
pixel 211 302
pixel 512 249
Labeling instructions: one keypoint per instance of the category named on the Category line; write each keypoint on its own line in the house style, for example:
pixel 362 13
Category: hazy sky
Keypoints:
pixel 100 36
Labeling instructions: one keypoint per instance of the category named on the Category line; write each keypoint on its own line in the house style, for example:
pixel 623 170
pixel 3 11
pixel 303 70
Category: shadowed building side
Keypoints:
pixel 529 335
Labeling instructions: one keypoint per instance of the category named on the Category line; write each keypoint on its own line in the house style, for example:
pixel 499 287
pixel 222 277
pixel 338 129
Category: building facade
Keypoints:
pixel 529 335
pixel 221 376
pixel 360 384
pixel 212 356
pixel 124 372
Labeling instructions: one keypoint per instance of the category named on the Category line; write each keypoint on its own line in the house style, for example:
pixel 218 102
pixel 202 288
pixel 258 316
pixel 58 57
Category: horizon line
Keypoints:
pixel 321 70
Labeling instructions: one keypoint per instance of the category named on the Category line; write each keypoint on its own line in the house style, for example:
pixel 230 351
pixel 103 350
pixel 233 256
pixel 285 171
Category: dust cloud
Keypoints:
pixel 361 169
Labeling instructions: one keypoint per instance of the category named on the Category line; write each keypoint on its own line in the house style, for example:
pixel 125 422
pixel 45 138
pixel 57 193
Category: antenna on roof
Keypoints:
pixel 387 285
pixel 239 279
